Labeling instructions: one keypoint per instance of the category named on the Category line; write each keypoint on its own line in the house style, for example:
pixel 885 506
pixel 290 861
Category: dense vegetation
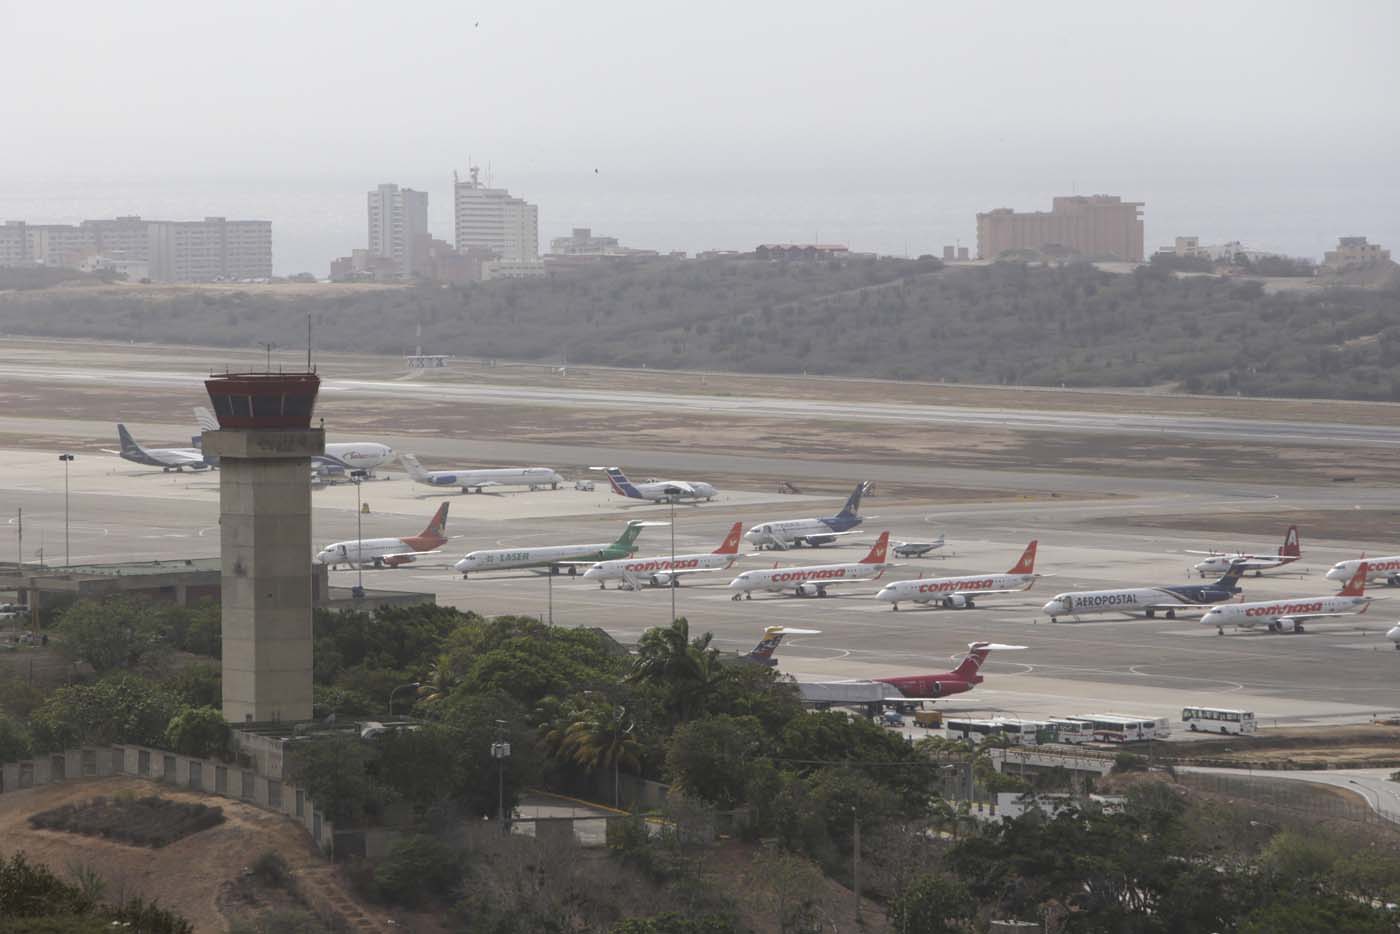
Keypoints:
pixel 35 901
pixel 1009 323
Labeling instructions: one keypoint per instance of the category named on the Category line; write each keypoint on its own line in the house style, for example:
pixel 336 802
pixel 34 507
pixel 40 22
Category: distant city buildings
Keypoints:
pixel 398 222
pixel 1098 226
pixel 163 251
pixel 801 251
pixel 1354 252
pixel 491 219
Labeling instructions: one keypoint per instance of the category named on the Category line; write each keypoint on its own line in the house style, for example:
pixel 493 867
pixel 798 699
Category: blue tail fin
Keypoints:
pixel 852 507
pixel 1231 580
pixel 621 485
pixel 128 444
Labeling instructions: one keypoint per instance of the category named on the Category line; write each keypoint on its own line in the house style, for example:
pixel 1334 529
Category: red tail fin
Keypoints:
pixel 1027 563
pixel 731 541
pixel 434 535
pixel 1292 544
pixel 1356 587
pixel 969 667
pixel 877 554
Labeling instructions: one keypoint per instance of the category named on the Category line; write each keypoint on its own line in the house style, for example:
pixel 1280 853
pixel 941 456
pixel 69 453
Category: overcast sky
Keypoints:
pixel 708 125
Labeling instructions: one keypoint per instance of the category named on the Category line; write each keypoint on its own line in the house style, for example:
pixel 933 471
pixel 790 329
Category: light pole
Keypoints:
pixel 355 477
pixel 500 751
pixel 671 494
pixel 413 684
pixel 67 557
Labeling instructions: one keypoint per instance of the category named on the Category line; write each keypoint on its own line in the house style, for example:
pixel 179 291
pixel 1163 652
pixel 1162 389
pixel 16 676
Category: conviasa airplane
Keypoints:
pixel 959 592
pixel 1290 615
pixel 665 570
pixel 812 580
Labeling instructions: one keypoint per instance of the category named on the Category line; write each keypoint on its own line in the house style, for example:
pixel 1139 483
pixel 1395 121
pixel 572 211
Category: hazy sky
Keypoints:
pixel 887 125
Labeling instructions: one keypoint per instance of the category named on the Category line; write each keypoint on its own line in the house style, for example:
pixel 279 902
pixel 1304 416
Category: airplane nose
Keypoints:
pixel 736 584
pixel 461 565
pixel 1337 574
pixel 1051 608
pixel 886 594
pixel 591 573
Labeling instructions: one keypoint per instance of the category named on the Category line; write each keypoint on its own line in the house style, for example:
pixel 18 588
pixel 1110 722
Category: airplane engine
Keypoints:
pixel 394 562
pixel 956 602
pixel 809 590
pixel 663 580
pixel 815 540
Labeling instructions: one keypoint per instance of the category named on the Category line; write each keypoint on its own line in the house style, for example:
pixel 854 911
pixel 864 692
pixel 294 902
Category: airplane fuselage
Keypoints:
pixel 532 477
pixel 361 455
pixel 656 571
pixel 1146 600
pixel 368 551
pixel 800 531
pixel 1386 569
pixel 500 559
pixel 810 581
pixel 1219 564
pixel 948 590
pixel 1284 614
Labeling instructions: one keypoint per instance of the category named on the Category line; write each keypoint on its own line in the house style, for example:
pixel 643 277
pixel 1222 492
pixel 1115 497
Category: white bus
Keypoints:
pixel 1026 732
pixel 1126 728
pixel 1218 720
pixel 975 730
pixel 1071 731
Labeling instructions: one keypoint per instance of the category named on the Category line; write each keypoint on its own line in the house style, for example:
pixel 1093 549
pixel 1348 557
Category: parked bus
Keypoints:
pixel 1071 731
pixel 1126 728
pixel 1026 732
pixel 1218 720
pixel 975 730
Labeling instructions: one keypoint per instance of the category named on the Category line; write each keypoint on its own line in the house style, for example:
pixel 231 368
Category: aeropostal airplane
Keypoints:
pixel 660 491
pixel 166 459
pixel 959 592
pixel 1290 615
pixel 554 557
pixel 1144 600
pixel 812 580
pixel 1291 550
pixel 920 687
pixel 667 570
pixel 1386 569
pixel 388 552
pixel 480 478
pixel 762 653
pixel 346 455
pixel 794 533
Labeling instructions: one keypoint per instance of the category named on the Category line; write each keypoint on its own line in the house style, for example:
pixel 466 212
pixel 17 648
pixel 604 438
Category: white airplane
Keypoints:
pixel 794 533
pixel 1291 550
pixel 388 552
pixel 1386 569
pixel 958 592
pixel 916 549
pixel 812 580
pixel 166 459
pixel 346 455
pixel 665 570
pixel 1144 600
pixel 1394 636
pixel 480 478
pixel 1290 615
pixel 660 491
pixel 553 557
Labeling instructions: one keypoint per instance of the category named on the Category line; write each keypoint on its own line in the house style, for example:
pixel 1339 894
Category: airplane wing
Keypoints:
pixel 110 451
pixel 408 554
pixel 824 535
pixel 179 455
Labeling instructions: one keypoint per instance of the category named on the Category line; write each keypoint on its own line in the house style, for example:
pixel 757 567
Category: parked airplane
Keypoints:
pixel 347 455
pixel 388 552
pixel 959 592
pixel 790 533
pixel 1394 636
pixel 1386 569
pixel 1145 600
pixel 916 549
pixel 665 570
pixel 166 459
pixel 554 557
pixel 1291 550
pixel 480 478
pixel 660 491
pixel 918 687
pixel 812 580
pixel 1290 615
pixel 762 653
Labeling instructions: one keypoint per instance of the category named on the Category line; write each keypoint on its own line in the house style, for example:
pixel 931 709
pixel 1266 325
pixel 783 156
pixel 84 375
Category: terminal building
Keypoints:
pixel 1094 226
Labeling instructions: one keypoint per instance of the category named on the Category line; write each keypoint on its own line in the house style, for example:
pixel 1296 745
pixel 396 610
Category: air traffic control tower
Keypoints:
pixel 264 445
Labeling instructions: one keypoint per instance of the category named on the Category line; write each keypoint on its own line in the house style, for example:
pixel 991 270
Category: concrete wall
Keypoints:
pixel 209 776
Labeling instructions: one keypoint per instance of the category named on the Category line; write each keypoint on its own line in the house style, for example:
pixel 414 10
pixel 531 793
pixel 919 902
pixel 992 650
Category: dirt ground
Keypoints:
pixel 1305 747
pixel 1263 529
pixel 189 875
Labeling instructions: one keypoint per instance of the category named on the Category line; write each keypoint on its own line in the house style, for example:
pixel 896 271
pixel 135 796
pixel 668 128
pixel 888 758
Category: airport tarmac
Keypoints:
pixel 1340 671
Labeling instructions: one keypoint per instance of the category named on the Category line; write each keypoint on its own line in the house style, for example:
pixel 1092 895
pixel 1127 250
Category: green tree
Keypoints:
pixel 121 708
pixel 687 670
pixel 417 869
pixel 441 679
pixel 932 904
pixel 199 731
pixel 711 758
pixel 1303 913
pixel 15 742
pixel 334 771
pixel 199 685
pixel 601 738
pixel 111 635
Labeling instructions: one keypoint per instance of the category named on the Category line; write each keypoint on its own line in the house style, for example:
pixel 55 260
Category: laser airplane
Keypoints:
pixel 665 570
pixel 553 557
pixel 920 687
pixel 794 533
pixel 1377 569
pixel 388 552
pixel 480 478
pixel 167 459
pixel 958 592
pixel 1291 550
pixel 1145 600
pixel 660 491
pixel 812 580
pixel 1290 615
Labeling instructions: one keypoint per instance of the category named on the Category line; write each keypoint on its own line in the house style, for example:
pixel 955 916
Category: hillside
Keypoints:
pixel 904 319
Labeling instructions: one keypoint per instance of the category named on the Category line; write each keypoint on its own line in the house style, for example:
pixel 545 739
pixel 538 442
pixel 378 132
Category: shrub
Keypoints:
pixel 151 821
pixel 199 731
pixel 416 869
pixel 1129 762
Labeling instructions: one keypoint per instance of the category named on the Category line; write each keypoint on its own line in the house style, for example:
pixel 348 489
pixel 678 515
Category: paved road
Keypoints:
pixel 903 414
pixel 1382 795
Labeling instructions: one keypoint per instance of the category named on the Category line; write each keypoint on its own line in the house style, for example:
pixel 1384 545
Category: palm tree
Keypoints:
pixel 687 669
pixel 601 738
pixel 440 681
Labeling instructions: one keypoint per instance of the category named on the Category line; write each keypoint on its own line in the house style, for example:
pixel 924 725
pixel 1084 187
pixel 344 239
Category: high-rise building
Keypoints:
pixel 398 218
pixel 490 219
pixel 211 249
pixel 1099 226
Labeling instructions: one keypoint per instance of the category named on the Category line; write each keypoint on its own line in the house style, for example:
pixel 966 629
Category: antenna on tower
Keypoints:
pixel 419 350
pixel 308 342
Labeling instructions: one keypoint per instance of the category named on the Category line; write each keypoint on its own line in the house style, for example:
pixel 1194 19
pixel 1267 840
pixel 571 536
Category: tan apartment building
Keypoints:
pixel 1352 252
pixel 211 249
pixel 1089 225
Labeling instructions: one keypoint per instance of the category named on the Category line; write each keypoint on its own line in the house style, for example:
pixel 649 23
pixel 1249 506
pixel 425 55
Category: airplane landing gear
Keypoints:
pixel 1220 630
pixel 895 608
pixel 1171 614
